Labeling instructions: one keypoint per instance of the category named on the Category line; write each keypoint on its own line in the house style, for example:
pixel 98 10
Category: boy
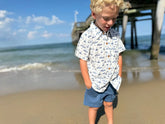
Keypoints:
pixel 99 50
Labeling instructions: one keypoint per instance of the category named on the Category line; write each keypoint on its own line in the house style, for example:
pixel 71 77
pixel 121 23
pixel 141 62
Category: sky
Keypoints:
pixel 28 22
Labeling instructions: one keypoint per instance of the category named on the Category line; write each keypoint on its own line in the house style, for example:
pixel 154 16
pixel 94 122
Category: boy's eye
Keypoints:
pixel 108 18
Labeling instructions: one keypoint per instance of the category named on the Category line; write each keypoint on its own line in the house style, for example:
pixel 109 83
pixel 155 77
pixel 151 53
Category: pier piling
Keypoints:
pixel 159 15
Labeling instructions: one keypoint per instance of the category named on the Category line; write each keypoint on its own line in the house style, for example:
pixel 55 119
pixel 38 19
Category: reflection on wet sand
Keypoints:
pixel 137 67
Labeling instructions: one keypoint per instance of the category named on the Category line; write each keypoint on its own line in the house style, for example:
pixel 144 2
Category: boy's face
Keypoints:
pixel 107 18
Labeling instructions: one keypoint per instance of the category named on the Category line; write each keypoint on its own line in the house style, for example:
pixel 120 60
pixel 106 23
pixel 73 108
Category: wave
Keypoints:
pixel 34 66
pixel 24 67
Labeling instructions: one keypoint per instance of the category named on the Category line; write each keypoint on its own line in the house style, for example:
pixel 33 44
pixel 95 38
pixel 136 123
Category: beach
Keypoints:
pixel 43 85
pixel 139 102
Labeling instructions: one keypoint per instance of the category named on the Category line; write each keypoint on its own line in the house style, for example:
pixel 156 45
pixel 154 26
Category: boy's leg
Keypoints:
pixel 92 113
pixel 108 106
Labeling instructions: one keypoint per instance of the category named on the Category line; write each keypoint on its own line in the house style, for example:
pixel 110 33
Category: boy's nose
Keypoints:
pixel 110 22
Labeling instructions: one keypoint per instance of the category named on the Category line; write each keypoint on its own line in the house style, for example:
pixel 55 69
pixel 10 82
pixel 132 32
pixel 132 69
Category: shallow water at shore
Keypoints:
pixel 59 69
pixel 22 81
pixel 138 66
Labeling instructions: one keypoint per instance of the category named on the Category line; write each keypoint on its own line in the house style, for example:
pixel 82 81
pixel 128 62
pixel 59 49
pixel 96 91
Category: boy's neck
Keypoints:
pixel 104 32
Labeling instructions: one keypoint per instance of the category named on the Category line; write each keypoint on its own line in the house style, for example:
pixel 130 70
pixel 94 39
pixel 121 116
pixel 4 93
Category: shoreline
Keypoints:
pixel 28 80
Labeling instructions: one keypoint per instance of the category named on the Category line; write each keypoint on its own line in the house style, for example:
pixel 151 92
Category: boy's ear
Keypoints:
pixel 93 15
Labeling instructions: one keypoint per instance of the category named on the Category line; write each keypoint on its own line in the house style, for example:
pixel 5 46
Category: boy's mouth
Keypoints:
pixel 107 28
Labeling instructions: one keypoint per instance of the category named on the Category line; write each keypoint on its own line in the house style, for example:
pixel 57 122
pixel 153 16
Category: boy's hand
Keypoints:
pixel 84 72
pixel 88 85
pixel 120 65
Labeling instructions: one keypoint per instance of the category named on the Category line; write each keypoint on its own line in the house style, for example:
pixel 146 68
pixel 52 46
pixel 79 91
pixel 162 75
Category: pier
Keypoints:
pixel 152 9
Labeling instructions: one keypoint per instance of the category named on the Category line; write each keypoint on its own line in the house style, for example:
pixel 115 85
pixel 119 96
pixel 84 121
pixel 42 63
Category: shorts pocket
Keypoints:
pixel 91 92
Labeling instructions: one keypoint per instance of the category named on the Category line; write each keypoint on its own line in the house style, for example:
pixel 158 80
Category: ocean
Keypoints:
pixel 57 57
pixel 54 66
pixel 52 57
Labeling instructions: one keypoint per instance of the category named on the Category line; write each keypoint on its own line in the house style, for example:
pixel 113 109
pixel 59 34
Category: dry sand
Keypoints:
pixel 138 103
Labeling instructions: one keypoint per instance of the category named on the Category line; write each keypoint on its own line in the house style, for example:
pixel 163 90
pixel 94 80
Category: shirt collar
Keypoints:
pixel 97 32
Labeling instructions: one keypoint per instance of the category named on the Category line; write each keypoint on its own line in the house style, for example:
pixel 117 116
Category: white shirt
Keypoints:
pixel 101 51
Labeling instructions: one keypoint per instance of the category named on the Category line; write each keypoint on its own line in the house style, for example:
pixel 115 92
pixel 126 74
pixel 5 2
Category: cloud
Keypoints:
pixel 22 30
pixel 38 27
pixel 4 20
pixel 46 34
pixel 29 29
pixel 62 35
pixel 31 34
pixel 3 13
pixel 43 20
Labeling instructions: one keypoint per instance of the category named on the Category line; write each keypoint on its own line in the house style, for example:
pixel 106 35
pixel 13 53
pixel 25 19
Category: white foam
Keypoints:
pixel 24 67
pixel 32 66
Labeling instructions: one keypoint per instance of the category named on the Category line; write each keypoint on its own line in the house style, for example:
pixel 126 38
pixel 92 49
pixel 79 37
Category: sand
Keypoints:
pixel 139 102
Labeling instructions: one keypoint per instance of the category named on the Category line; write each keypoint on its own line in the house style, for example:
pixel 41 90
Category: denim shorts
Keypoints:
pixel 93 98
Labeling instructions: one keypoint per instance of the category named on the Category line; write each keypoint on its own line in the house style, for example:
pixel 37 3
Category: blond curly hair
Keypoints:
pixel 96 6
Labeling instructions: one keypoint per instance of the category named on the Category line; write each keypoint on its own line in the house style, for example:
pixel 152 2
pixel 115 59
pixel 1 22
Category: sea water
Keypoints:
pixel 60 57
pixel 54 66
pixel 53 57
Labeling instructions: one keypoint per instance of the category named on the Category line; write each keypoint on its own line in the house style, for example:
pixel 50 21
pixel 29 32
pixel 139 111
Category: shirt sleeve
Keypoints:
pixel 83 47
pixel 121 46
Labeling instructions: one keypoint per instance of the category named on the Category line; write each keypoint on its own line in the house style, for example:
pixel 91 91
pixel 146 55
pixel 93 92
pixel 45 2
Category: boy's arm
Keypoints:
pixel 84 71
pixel 120 65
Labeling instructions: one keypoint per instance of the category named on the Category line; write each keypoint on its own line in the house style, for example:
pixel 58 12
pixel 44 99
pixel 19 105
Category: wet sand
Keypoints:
pixel 139 101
